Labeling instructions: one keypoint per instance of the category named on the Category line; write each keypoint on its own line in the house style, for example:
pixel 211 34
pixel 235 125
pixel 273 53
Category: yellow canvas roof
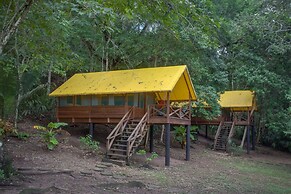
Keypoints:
pixel 174 79
pixel 239 100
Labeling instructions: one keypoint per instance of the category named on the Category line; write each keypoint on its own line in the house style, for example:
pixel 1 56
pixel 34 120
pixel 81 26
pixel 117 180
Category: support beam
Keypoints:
pixel 151 138
pixel 248 139
pixel 91 129
pixel 168 107
pixel 253 137
pixel 167 151
pixel 244 137
pixel 188 142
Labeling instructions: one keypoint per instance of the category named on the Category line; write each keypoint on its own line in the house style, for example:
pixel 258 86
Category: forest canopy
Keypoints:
pixel 227 45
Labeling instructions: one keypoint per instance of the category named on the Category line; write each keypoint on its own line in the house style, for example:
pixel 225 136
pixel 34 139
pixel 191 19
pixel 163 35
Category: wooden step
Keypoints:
pixel 121 140
pixel 113 161
pixel 119 145
pixel 117 150
pixel 116 155
pixel 127 132
pixel 124 136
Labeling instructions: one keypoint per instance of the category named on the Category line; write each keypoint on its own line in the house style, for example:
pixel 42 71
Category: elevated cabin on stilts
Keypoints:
pixel 237 109
pixel 134 100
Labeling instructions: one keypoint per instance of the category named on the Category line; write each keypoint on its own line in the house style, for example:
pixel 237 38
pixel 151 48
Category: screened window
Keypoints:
pixel 83 100
pixel 96 100
pixel 135 100
pixel 119 100
pixel 111 100
pixel 66 101
pixel 78 100
pixel 150 99
pixel 141 101
pixel 86 101
pixel 130 100
pixel 105 100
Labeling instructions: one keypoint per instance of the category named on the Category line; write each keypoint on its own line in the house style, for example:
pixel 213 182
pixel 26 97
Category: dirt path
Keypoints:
pixel 71 169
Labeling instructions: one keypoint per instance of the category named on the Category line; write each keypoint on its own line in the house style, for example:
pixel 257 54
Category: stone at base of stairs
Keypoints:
pixel 117 162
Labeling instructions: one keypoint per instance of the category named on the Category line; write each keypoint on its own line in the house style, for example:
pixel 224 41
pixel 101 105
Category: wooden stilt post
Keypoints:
pixel 253 137
pixel 188 142
pixel 248 139
pixel 91 131
pixel 244 137
pixel 167 151
pixel 151 138
pixel 206 131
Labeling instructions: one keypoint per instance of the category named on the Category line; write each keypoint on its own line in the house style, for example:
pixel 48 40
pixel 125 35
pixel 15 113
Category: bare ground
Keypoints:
pixel 71 169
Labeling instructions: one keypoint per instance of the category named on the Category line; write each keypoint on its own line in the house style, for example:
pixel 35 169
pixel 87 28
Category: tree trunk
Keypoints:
pixel 17 110
pixel 10 28
pixel 107 68
pixel 49 79
pixel 2 100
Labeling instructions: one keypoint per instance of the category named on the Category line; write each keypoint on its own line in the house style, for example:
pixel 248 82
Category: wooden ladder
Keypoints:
pixel 224 133
pixel 124 145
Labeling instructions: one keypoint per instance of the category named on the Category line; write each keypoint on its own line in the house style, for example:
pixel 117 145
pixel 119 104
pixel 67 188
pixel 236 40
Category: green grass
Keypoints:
pixel 267 178
pixel 274 188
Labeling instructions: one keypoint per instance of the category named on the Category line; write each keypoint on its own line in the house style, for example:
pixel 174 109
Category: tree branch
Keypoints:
pixel 28 94
pixel 10 28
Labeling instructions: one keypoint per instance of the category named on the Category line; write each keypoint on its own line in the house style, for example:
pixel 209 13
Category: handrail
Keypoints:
pixel 137 132
pixel 160 110
pixel 118 129
pixel 217 133
pixel 157 109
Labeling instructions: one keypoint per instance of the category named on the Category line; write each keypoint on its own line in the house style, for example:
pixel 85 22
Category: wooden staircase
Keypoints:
pixel 223 134
pixel 125 138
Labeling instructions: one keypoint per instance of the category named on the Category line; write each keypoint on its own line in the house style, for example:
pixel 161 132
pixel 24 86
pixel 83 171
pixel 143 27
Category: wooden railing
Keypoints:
pixel 138 132
pixel 217 133
pixel 118 130
pixel 177 112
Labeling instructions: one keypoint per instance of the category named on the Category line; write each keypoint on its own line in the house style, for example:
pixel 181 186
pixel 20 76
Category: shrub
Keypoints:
pixel 233 149
pixel 2 175
pixel 49 134
pixel 89 143
pixel 6 170
pixel 148 159
pixel 180 134
pixel 22 135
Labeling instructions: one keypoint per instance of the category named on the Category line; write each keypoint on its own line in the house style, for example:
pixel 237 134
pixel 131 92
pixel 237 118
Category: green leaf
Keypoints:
pixel 53 141
pixel 52 125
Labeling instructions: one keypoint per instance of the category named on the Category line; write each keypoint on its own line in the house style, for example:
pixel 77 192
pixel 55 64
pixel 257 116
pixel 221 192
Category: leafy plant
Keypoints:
pixel 49 134
pixel 233 149
pixel 2 175
pixel 6 128
pixel 148 159
pixel 89 143
pixel 22 135
pixel 6 167
pixel 1 132
pixel 180 134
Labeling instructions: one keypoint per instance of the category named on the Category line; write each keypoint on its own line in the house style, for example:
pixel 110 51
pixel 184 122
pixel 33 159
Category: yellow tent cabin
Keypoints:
pixel 133 99
pixel 237 109
pixel 104 97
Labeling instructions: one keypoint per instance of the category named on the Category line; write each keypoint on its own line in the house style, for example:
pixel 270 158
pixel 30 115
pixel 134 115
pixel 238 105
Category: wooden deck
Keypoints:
pixel 239 119
pixel 96 114
pixel 113 114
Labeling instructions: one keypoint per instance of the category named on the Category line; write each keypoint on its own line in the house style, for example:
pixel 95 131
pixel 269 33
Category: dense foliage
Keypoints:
pixel 227 45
